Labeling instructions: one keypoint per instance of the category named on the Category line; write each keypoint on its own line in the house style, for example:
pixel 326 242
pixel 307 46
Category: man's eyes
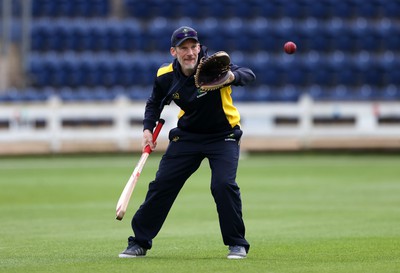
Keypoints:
pixel 187 48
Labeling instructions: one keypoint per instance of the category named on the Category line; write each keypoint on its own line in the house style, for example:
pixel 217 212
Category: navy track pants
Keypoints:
pixel 182 158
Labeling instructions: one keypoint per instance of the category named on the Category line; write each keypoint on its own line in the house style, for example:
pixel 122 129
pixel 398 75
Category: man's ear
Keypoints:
pixel 172 50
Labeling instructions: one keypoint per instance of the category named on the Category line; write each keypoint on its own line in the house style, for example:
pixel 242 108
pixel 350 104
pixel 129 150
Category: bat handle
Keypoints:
pixel 157 130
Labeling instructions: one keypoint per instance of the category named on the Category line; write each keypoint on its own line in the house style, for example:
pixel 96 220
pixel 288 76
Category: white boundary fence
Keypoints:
pixel 56 127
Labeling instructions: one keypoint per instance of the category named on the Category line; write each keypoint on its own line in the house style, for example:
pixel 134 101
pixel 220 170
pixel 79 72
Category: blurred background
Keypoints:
pixel 75 74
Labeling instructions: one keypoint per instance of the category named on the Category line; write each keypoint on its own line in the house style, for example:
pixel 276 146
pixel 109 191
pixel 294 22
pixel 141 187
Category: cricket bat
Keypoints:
pixel 130 185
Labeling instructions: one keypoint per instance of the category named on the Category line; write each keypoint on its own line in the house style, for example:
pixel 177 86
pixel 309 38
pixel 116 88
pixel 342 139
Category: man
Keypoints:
pixel 208 127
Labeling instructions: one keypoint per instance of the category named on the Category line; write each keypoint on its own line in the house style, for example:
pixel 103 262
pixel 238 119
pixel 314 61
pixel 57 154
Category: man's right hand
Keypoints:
pixel 148 140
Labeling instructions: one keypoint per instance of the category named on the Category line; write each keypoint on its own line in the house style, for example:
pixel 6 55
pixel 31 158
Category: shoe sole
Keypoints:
pixel 130 256
pixel 235 257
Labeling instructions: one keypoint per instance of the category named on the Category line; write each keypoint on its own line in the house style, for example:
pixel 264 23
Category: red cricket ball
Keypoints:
pixel 290 47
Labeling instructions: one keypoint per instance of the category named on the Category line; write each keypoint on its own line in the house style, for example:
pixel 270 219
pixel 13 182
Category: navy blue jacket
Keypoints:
pixel 201 112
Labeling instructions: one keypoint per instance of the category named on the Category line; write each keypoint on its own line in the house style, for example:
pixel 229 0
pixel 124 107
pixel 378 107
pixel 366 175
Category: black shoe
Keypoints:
pixel 133 250
pixel 237 252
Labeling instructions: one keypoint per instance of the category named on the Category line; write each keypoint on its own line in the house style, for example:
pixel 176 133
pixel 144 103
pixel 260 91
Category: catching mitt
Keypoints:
pixel 214 72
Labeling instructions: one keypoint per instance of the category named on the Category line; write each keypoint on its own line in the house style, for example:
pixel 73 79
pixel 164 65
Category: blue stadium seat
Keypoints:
pixel 37 75
pixel 108 76
pixel 268 73
pixel 49 35
pixel 25 95
pixel 321 10
pixel 80 36
pixel 147 71
pixel 270 9
pixel 189 9
pixel 270 40
pixel 94 70
pixel 258 36
pixel 86 94
pixel 74 73
pixel 132 36
pixel 52 68
pixel 36 37
pixel 54 37
pixel 262 93
pixel 91 75
pixel 345 40
pixel 233 37
pixel 391 9
pixel 373 74
pixel 70 8
pixel 166 9
pixel 65 8
pixel 390 93
pixel 239 94
pixel 370 39
pixel 297 74
pixel 211 36
pixel 67 94
pixel 346 73
pixel 392 72
pixel 124 71
pixel 139 92
pixel 34 95
pixel 62 35
pixel 318 93
pixel 47 69
pixel 296 10
pixel 141 73
pixel 367 93
pixel 45 31
pixel 157 38
pixel 345 10
pixel 249 10
pixel 82 8
pixel 138 9
pixel 289 93
pixel 318 39
pixel 219 10
pixel 391 38
pixel 96 94
pixel 265 93
pixel 322 74
pixel 243 9
pixel 44 8
pixel 100 8
pixel 97 36
pixel 341 93
pixel 115 37
pixel 369 9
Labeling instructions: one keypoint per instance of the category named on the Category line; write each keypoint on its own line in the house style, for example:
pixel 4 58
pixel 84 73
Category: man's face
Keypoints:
pixel 187 54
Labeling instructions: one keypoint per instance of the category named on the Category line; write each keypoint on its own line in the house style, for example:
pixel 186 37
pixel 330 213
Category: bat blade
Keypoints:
pixel 126 194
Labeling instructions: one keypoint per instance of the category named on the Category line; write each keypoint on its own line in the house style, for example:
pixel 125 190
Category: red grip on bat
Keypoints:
pixel 157 130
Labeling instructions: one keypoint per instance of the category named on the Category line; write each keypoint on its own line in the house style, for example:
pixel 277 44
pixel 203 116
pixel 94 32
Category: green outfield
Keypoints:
pixel 303 213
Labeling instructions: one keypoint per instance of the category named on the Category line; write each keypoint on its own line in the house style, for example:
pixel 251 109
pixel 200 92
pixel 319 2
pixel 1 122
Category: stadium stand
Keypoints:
pixel 70 8
pixel 81 50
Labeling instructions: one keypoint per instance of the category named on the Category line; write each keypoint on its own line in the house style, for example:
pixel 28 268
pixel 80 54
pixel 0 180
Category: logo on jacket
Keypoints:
pixel 201 93
pixel 175 96
pixel 230 137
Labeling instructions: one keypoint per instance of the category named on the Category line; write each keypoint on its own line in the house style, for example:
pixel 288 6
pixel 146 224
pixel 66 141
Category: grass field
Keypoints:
pixel 303 213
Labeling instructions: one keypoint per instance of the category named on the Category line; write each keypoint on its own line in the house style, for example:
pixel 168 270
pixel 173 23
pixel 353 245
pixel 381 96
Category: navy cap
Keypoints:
pixel 182 34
